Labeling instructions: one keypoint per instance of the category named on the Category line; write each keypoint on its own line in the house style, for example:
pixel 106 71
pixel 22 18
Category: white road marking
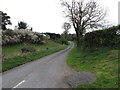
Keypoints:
pixel 19 84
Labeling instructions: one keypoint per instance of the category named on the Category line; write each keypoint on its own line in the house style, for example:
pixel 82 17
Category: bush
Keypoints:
pixel 63 41
pixel 20 36
pixel 100 38
pixel 9 33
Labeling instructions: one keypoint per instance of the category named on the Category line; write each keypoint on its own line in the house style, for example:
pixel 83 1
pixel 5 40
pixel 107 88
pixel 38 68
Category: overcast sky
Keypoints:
pixel 46 15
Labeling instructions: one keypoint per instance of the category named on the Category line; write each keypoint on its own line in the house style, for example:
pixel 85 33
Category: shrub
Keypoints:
pixel 20 36
pixel 105 37
pixel 9 33
pixel 63 41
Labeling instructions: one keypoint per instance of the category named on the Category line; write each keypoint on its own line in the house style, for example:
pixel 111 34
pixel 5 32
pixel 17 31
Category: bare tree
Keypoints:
pixel 66 27
pixel 83 16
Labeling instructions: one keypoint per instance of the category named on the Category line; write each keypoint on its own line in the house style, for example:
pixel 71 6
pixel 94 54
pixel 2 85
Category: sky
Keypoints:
pixel 47 15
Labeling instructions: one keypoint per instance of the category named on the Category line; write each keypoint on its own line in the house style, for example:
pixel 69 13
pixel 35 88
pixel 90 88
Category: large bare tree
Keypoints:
pixel 83 15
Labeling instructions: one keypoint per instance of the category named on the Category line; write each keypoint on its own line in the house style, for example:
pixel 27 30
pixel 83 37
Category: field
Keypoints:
pixel 15 50
pixel 16 57
pixel 103 62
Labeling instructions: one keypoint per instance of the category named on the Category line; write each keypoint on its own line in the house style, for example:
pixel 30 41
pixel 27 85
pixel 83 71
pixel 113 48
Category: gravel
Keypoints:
pixel 77 78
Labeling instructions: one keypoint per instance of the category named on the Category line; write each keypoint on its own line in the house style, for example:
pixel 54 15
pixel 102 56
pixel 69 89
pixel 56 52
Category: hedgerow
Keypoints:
pixel 20 36
pixel 100 38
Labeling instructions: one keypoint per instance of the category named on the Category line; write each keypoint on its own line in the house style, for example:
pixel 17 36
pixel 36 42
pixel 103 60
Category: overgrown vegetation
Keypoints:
pixel 98 53
pixel 12 37
pixel 102 38
pixel 103 62
pixel 63 40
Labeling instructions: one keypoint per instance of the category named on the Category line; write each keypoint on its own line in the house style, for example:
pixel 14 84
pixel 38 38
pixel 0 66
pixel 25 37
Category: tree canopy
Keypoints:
pixel 5 20
pixel 22 25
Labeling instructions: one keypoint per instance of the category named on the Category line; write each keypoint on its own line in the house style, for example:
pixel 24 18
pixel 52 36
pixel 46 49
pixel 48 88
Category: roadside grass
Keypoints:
pixel 15 50
pixel 103 62
pixel 19 60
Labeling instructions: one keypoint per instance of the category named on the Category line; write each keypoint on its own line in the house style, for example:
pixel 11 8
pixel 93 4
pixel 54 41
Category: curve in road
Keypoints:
pixel 47 72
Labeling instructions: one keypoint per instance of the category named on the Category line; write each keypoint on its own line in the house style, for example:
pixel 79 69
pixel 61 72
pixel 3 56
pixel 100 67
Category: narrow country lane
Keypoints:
pixel 47 72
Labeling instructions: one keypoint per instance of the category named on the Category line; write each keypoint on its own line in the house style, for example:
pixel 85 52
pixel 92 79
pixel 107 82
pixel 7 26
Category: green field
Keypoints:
pixel 16 57
pixel 15 50
pixel 103 62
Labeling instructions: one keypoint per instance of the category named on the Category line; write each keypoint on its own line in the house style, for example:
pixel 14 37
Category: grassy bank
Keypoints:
pixel 15 50
pixel 103 62
pixel 19 60
pixel 13 56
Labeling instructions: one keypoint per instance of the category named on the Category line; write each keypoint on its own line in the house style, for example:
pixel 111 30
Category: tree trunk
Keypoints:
pixel 78 36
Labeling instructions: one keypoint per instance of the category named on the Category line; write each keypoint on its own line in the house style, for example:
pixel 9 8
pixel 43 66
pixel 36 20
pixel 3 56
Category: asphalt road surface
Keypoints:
pixel 47 72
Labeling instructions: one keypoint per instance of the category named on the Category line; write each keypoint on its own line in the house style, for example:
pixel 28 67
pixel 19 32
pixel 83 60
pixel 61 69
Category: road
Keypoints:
pixel 47 72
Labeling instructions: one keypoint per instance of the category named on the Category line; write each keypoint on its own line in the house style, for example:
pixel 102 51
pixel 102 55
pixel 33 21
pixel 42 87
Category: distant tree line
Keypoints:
pixel 53 36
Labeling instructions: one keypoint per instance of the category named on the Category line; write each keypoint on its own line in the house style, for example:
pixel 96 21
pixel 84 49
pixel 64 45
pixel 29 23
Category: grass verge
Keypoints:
pixel 15 50
pixel 103 62
pixel 19 60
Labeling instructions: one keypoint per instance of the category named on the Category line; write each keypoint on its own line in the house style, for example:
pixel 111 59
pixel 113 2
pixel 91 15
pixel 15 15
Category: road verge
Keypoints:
pixel 20 60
